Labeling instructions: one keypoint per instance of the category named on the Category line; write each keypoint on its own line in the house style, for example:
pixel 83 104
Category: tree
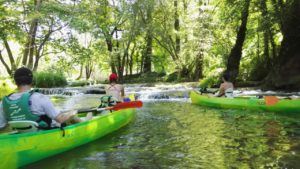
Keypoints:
pixel 236 52
pixel 287 67
pixel 45 18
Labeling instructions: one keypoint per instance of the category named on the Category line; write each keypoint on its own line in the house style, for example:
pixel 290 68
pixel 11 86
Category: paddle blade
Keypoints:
pixel 125 105
pixel 271 100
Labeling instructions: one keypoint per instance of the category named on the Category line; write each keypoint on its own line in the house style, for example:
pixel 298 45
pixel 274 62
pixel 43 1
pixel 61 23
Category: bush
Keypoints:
pixel 173 77
pixel 6 87
pixel 48 79
pixel 212 79
pixel 209 81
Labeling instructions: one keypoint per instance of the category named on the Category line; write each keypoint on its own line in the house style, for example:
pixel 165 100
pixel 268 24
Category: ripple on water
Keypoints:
pixel 179 135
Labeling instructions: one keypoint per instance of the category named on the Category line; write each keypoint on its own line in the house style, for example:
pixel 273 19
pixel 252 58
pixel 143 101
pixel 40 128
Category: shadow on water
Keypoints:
pixel 168 134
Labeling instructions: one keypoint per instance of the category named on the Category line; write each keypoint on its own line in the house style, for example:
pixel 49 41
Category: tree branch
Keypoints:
pixel 5 64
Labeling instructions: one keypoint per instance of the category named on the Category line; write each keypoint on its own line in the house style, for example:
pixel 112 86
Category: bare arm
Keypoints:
pixel 68 116
pixel 221 91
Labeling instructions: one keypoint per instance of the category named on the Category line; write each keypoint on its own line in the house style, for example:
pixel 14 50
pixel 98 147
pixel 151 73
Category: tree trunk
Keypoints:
pixel 110 50
pixel 36 63
pixel 286 73
pixel 119 58
pixel 147 61
pixel 198 67
pixel 5 65
pixel 131 60
pixel 142 63
pixel 40 49
pixel 278 6
pixel 125 57
pixel 13 65
pixel 262 63
pixel 88 69
pixel 267 27
pixel 177 28
pixel 80 74
pixel 148 54
pixel 235 55
pixel 30 47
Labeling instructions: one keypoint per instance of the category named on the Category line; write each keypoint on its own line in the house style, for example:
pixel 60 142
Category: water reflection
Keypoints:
pixel 181 135
pixel 172 133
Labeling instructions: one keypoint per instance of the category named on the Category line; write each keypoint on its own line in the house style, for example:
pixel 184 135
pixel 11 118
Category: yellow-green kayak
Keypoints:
pixel 20 149
pixel 288 106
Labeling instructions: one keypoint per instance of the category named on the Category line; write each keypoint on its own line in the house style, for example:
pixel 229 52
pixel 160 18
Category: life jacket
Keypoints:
pixel 19 110
pixel 107 101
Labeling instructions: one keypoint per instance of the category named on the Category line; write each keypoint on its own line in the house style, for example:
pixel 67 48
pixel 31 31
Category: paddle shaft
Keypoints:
pixel 124 105
pixel 91 110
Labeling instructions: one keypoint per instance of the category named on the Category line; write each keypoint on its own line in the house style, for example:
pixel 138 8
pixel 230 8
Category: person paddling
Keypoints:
pixel 226 88
pixel 29 105
pixel 114 89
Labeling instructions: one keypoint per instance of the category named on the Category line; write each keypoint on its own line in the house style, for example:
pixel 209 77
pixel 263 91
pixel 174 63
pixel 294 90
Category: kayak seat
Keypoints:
pixel 24 126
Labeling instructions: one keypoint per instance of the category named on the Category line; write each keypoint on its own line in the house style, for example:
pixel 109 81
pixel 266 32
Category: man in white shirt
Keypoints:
pixel 29 105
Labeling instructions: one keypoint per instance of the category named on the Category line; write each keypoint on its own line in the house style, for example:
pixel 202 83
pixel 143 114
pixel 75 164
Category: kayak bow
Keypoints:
pixel 21 149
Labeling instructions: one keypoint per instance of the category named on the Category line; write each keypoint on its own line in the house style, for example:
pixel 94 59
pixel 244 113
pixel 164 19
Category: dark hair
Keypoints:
pixel 23 76
pixel 226 76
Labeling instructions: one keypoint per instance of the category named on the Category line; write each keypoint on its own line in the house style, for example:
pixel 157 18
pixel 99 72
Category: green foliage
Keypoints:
pixel 80 33
pixel 48 79
pixel 173 77
pixel 212 79
pixel 151 77
pixel 6 87
pixel 78 83
pixel 208 81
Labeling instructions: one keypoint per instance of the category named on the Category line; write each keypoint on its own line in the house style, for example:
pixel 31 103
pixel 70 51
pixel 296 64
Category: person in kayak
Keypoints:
pixel 114 89
pixel 29 105
pixel 226 88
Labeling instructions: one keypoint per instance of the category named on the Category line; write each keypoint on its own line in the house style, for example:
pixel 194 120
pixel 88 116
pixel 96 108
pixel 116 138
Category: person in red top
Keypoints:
pixel 114 89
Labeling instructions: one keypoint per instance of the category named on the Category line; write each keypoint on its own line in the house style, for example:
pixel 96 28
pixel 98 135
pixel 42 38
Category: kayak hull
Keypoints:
pixel 21 149
pixel 287 106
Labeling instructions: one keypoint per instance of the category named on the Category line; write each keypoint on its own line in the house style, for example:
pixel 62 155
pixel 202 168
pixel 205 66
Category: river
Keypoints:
pixel 170 132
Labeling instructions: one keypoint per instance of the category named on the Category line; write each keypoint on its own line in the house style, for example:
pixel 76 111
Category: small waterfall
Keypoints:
pixel 160 92
pixel 71 91
pixel 60 91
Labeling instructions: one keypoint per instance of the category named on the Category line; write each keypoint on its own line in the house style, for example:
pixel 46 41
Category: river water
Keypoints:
pixel 170 132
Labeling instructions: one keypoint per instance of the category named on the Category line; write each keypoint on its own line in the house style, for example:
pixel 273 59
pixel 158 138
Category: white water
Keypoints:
pixel 146 93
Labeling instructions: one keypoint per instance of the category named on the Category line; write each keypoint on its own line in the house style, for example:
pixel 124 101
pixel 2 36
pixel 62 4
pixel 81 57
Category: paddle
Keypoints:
pixel 123 105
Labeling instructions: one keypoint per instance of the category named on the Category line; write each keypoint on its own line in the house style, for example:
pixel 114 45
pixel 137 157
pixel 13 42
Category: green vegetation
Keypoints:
pixel 6 87
pixel 151 77
pixel 253 40
pixel 78 83
pixel 48 79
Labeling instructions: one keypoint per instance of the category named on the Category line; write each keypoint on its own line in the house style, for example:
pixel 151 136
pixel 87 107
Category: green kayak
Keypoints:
pixel 20 149
pixel 288 106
